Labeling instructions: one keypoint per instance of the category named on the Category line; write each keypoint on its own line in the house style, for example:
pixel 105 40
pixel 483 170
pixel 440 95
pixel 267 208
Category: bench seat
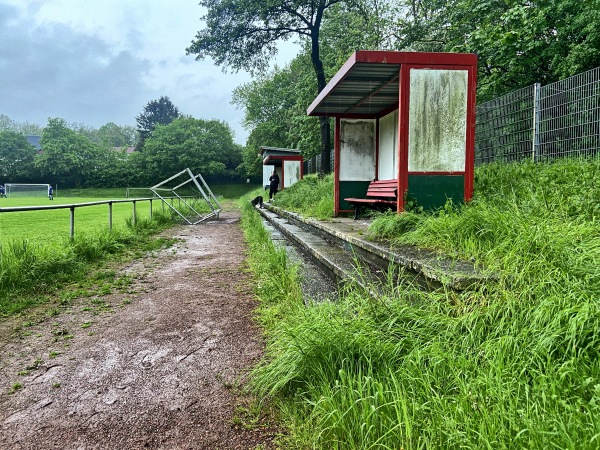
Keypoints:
pixel 380 194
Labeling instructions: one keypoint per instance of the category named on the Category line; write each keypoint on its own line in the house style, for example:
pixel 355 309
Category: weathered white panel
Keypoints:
pixel 267 171
pixel 437 123
pixel 357 150
pixel 291 172
pixel 388 147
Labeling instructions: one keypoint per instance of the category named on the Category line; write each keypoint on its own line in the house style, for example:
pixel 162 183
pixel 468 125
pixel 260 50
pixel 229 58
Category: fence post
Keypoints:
pixel 72 234
pixel 537 102
pixel 134 215
pixel 110 216
pixel 150 209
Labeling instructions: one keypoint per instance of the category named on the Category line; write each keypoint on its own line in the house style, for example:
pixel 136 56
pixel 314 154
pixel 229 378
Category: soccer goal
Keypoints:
pixel 26 190
pixel 187 208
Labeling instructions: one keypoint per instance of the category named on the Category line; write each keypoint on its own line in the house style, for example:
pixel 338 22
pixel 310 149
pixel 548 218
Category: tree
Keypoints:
pixel 111 169
pixel 6 123
pixel 156 112
pixel 205 146
pixel 518 43
pixel 113 135
pixel 242 34
pixel 66 155
pixel 29 129
pixel 275 112
pixel 16 157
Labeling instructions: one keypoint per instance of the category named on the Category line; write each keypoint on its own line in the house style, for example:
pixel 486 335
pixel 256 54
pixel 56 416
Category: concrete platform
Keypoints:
pixel 335 244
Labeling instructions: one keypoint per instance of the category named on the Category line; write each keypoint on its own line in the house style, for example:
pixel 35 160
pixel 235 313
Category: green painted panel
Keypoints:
pixel 356 189
pixel 431 191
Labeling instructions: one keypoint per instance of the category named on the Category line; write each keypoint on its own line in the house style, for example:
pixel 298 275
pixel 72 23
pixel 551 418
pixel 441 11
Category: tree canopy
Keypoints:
pixel 66 155
pixel 156 112
pixel 243 34
pixel 205 146
pixel 16 157
pixel 113 135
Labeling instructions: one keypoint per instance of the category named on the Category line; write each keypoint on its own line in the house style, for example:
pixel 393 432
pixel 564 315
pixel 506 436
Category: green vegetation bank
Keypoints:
pixel 512 364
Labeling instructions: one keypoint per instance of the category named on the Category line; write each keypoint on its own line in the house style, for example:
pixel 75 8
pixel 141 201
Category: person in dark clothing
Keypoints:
pixel 273 185
pixel 257 201
pixel 50 193
pixel 2 191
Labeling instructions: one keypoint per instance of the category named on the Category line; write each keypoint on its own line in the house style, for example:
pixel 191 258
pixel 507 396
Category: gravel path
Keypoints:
pixel 159 366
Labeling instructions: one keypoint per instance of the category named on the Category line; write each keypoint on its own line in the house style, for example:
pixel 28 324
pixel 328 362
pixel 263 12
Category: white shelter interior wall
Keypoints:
pixel 357 150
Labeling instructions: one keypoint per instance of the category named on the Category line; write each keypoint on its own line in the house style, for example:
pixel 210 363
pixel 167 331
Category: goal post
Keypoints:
pixel 142 192
pixel 188 212
pixel 26 190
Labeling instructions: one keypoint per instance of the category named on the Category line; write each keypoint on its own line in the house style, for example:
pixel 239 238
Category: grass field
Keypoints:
pixel 38 260
pixel 53 225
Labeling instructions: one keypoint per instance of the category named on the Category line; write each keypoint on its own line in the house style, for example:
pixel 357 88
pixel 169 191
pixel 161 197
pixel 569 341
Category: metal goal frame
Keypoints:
pixel 202 187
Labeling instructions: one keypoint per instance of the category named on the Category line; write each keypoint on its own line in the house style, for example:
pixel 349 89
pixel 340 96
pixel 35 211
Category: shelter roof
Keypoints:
pixel 367 85
pixel 276 151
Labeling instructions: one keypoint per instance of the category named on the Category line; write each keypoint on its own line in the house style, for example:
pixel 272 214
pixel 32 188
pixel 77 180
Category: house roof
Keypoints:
pixel 367 85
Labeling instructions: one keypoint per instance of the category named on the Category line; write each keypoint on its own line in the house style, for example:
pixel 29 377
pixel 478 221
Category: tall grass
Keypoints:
pixel 31 270
pixel 513 364
pixel 312 196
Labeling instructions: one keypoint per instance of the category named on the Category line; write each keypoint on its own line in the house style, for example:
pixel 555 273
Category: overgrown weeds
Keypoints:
pixel 312 196
pixel 31 271
pixel 513 364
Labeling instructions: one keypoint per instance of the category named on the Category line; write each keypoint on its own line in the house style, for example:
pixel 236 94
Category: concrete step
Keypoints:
pixel 330 243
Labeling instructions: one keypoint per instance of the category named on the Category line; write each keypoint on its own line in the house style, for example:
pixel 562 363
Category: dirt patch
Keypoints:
pixel 157 367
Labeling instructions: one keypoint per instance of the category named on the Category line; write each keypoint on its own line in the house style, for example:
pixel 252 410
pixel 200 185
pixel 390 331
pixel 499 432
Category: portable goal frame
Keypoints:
pixel 202 187
pixel 37 189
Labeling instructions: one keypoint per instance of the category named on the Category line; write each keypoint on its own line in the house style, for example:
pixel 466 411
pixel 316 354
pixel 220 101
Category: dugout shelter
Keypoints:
pixel 402 116
pixel 287 163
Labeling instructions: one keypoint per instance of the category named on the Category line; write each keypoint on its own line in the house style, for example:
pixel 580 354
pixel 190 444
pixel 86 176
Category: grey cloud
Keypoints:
pixel 53 71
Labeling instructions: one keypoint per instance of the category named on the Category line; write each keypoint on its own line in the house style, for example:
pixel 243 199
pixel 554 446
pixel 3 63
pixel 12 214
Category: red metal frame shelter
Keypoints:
pixel 280 158
pixel 431 96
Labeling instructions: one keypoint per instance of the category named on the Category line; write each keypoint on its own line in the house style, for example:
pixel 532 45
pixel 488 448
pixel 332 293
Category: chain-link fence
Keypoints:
pixel 541 122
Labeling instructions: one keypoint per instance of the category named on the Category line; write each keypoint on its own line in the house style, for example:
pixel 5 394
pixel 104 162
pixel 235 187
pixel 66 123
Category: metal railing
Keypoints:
pixel 541 122
pixel 74 206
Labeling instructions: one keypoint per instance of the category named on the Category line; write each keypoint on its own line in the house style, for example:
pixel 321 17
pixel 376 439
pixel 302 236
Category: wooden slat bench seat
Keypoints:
pixel 381 194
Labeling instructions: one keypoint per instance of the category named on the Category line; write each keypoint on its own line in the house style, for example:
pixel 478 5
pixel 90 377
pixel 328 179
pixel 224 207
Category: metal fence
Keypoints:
pixel 73 206
pixel 313 165
pixel 541 122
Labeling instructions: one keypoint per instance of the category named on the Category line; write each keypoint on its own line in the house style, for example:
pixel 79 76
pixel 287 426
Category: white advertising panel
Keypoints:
pixel 388 147
pixel 437 123
pixel 357 150
pixel 267 171
pixel 291 173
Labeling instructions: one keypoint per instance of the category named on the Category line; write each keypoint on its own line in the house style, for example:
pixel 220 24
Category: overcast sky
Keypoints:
pixel 100 61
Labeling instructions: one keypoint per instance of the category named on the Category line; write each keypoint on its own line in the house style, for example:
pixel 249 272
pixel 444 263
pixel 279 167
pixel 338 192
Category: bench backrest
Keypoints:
pixel 383 189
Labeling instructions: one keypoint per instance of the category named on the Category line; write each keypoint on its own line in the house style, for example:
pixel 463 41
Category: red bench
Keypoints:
pixel 381 194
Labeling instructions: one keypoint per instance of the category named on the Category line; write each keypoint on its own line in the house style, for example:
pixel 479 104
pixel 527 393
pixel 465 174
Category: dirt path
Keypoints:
pixel 158 367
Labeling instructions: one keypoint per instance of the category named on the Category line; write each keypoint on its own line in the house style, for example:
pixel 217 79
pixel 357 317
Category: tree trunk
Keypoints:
pixel 321 83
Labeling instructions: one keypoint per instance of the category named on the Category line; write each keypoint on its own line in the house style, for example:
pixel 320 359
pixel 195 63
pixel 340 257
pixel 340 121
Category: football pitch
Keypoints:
pixel 49 226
